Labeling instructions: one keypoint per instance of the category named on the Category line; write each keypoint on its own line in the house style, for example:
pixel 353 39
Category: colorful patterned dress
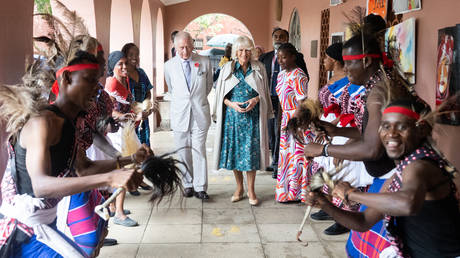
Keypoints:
pixel 139 91
pixel 293 178
pixel 240 133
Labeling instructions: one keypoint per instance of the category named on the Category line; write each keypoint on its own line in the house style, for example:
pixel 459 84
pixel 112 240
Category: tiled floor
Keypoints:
pixel 219 228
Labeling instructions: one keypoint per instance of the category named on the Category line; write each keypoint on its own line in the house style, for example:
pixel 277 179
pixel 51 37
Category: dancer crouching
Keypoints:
pixel 45 162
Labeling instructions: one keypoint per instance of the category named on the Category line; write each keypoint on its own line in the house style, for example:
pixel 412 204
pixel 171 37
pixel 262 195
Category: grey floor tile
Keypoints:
pixel 126 235
pixel 138 202
pixel 175 216
pixel 292 250
pixel 169 250
pixel 172 234
pixel 141 216
pixel 228 216
pixel 231 250
pixel 320 227
pixel 279 215
pixel 120 250
pixel 337 249
pixel 236 233
pixel 219 250
pixel 180 202
pixel 285 233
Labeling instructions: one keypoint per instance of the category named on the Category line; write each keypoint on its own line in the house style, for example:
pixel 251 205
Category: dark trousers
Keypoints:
pixel 274 132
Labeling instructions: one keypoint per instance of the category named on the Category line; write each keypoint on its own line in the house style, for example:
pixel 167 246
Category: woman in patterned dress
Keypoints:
pixel 292 87
pixel 141 90
pixel 242 106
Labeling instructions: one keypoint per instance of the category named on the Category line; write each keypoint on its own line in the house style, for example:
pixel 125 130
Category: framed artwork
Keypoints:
pixel 448 73
pixel 337 37
pixel 405 6
pixel 378 7
pixel 400 43
pixel 335 2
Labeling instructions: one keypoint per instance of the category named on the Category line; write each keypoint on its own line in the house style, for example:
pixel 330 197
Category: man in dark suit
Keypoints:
pixel 269 59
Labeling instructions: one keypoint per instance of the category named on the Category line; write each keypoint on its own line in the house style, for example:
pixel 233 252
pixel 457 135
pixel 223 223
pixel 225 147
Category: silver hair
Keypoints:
pixel 183 35
pixel 242 42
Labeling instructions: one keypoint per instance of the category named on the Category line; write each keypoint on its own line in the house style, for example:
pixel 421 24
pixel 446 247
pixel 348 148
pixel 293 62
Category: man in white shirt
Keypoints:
pixel 189 80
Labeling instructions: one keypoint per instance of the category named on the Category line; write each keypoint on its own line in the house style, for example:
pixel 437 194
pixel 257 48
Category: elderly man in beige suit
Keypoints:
pixel 189 79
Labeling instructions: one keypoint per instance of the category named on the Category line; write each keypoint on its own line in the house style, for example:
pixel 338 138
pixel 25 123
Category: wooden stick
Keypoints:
pixel 101 209
pixel 307 214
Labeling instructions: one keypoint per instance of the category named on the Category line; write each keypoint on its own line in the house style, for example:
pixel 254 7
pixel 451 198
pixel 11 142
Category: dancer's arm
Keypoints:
pixel 37 136
pixel 358 221
pixel 417 178
pixel 369 147
pixel 85 166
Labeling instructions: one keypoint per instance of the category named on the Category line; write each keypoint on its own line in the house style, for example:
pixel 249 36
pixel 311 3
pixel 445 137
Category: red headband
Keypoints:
pixel 71 68
pixel 402 110
pixel 357 57
pixel 99 48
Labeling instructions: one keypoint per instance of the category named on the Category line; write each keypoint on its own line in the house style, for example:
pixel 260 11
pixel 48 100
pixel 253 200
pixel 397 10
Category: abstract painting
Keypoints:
pixel 405 6
pixel 400 44
pixel 448 73
pixel 378 7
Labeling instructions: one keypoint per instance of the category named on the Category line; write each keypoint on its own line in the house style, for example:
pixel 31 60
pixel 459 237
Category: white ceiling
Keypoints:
pixel 171 2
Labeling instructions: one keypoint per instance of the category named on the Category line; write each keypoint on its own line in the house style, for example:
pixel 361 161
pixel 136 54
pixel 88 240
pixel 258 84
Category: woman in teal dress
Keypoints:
pixel 241 104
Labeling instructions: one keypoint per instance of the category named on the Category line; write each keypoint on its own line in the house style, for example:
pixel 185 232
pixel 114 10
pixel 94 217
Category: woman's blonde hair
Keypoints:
pixel 242 42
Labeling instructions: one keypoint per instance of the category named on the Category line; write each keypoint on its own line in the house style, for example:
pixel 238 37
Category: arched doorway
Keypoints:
pixel 146 40
pixel 121 24
pixel 294 30
pixel 206 26
pixel 159 55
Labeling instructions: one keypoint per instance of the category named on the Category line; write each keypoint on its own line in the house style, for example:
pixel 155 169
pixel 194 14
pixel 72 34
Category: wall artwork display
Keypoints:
pixel 400 43
pixel 448 73
pixel 404 6
pixel 378 7
pixel 337 37
pixel 335 2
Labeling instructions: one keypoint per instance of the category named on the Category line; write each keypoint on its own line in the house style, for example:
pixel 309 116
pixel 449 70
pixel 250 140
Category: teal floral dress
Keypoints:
pixel 240 133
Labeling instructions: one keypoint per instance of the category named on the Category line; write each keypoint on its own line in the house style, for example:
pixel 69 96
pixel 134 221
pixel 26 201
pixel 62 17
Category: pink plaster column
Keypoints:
pixel 16 34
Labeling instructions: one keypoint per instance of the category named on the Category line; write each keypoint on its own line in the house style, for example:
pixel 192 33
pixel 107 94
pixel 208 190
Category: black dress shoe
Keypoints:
pixel 321 215
pixel 188 192
pixel 109 242
pixel 269 168
pixel 202 195
pixel 336 229
pixel 135 193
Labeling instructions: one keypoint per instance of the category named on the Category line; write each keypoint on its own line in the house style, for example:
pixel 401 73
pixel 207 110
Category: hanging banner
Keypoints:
pixel 378 7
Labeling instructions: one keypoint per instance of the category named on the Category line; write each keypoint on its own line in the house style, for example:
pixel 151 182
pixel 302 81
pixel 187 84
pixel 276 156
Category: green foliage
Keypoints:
pixel 43 6
pixel 209 23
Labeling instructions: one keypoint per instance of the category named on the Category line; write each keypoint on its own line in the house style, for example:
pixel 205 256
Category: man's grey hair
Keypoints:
pixel 183 35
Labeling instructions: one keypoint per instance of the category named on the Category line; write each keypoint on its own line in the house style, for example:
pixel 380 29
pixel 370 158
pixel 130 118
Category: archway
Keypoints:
pixel 121 24
pixel 294 30
pixel 159 55
pixel 206 26
pixel 146 40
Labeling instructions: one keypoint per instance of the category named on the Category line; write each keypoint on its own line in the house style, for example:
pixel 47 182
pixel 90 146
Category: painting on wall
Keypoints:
pixel 448 73
pixel 337 37
pixel 335 2
pixel 400 43
pixel 405 6
pixel 378 7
